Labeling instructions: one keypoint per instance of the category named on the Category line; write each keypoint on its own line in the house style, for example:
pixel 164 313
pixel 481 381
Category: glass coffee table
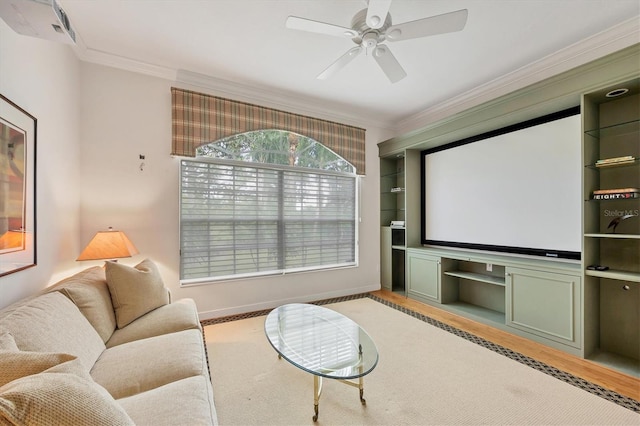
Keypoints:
pixel 322 342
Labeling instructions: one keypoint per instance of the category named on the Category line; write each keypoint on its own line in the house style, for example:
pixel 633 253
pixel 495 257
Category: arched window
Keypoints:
pixel 276 147
pixel 265 202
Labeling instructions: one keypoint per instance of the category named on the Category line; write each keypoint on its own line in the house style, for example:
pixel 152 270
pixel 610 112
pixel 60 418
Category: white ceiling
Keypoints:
pixel 244 44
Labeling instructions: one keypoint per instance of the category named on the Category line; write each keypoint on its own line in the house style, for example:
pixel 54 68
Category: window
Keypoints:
pixel 265 202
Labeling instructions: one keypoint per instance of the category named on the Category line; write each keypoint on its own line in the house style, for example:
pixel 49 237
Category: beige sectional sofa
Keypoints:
pixel 105 346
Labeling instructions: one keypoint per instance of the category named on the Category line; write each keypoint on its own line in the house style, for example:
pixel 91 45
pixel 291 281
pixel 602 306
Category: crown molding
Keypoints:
pixel 606 42
pixel 271 98
pixel 616 38
pixel 108 59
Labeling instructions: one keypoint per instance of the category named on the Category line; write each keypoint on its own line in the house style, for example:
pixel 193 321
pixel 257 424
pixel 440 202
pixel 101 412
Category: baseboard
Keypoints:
pixel 235 310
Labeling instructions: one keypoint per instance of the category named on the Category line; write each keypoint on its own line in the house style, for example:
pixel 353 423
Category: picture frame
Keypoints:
pixel 18 134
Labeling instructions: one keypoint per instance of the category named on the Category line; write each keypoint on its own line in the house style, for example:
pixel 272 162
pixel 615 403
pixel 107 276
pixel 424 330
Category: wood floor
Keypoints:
pixel 607 378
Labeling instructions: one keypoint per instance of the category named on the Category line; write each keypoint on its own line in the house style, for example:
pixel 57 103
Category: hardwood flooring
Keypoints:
pixel 607 378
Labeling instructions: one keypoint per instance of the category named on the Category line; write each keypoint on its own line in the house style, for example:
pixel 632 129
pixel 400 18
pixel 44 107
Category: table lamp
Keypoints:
pixel 108 245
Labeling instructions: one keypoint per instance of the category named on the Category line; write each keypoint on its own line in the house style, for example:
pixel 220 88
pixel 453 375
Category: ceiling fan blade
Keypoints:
pixel 389 63
pixel 377 13
pixel 304 24
pixel 439 24
pixel 340 63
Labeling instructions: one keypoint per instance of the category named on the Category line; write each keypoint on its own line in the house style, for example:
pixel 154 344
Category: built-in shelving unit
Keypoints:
pixel 399 202
pixel 475 288
pixel 612 296
pixel 586 312
pixel 538 299
pixel 392 190
pixel 392 211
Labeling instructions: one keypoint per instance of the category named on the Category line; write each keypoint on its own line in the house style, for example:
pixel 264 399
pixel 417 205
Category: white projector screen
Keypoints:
pixel 515 190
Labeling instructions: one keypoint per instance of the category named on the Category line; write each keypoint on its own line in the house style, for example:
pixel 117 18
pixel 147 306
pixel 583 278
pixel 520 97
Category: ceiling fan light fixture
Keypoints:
pixel 370 40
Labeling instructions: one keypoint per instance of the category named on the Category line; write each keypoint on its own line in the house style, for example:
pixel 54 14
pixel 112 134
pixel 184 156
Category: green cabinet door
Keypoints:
pixel 544 303
pixel 423 276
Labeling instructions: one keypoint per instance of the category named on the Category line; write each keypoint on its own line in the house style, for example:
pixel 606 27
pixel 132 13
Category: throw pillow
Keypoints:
pixel 17 364
pixel 7 342
pixel 135 290
pixel 89 292
pixel 64 395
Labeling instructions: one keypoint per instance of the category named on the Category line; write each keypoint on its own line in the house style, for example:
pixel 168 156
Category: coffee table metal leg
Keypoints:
pixel 361 387
pixel 361 383
pixel 317 391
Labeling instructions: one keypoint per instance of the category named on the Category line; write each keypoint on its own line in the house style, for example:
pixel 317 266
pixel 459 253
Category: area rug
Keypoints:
pixel 426 375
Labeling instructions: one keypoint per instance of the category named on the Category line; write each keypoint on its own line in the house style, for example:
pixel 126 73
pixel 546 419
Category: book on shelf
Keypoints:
pixel 616 161
pixel 616 194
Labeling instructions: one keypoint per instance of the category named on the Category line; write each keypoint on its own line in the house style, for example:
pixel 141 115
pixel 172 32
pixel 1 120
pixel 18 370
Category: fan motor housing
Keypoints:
pixel 365 33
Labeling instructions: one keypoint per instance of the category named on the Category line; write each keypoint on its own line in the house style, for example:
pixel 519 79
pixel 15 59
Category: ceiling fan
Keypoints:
pixel 371 27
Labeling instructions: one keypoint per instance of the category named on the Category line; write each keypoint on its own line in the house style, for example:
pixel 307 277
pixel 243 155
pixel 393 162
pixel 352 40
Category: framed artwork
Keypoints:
pixel 17 188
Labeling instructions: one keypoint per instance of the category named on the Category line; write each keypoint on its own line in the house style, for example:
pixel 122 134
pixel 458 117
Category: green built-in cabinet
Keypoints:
pixel 545 304
pixel 399 201
pixel 612 296
pixel 537 299
pixel 568 305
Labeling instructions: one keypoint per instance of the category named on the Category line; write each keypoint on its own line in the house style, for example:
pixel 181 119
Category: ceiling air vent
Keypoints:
pixel 38 18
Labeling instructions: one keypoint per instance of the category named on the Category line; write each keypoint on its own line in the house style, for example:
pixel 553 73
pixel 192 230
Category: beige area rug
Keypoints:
pixel 425 376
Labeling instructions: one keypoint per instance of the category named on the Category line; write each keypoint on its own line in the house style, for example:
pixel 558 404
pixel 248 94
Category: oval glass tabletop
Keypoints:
pixel 321 341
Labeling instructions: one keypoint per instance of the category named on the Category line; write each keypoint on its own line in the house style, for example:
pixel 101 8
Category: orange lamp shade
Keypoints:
pixel 108 245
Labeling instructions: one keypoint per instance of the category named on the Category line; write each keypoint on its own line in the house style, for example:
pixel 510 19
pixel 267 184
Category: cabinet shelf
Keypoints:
pixel 392 174
pixel 615 275
pixel 627 365
pixel 477 311
pixel 393 192
pixel 500 281
pixel 620 236
pixel 615 130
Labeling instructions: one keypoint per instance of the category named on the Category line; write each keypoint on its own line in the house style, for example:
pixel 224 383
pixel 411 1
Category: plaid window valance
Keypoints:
pixel 198 119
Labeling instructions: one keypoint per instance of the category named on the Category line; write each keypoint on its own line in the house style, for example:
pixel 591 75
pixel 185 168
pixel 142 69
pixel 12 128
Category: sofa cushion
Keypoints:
pixel 89 292
pixel 177 316
pixel 63 394
pixel 135 290
pixel 17 364
pixel 145 364
pixel 184 402
pixel 52 323
pixel 7 342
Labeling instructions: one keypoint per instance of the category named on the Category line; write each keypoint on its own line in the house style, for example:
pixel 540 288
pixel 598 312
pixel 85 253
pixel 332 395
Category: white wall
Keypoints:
pixel 42 78
pixel 125 115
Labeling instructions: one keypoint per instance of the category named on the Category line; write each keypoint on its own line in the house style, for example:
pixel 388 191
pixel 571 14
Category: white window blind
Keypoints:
pixel 240 219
